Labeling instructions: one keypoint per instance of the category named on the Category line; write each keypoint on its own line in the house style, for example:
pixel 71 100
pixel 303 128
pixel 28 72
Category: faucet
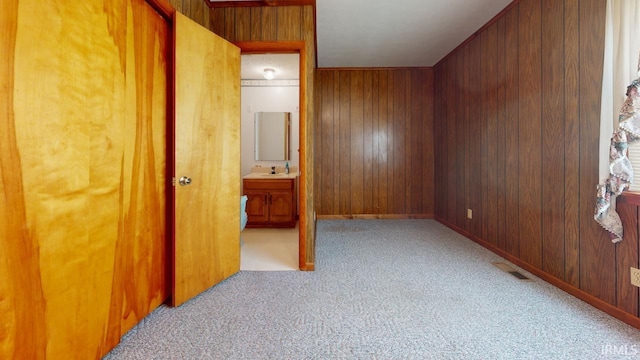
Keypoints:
pixel 273 170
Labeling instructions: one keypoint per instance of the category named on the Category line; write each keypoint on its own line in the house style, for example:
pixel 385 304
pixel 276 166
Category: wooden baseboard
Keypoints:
pixel 374 216
pixel 570 289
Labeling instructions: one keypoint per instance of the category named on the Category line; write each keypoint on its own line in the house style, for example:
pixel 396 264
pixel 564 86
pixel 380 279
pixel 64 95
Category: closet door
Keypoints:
pixel 206 244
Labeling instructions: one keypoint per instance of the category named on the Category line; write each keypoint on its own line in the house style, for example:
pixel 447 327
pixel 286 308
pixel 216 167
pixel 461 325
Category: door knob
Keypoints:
pixel 185 180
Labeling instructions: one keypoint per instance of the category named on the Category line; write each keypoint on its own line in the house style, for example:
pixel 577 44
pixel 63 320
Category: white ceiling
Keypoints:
pixel 287 66
pixel 399 33
pixel 377 33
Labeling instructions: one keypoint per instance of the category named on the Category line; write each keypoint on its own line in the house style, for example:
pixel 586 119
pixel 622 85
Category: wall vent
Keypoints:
pixel 508 269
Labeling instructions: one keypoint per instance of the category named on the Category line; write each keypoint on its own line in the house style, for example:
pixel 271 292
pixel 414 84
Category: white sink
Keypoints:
pixel 273 175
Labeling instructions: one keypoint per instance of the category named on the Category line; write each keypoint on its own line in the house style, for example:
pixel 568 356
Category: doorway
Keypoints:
pixel 270 84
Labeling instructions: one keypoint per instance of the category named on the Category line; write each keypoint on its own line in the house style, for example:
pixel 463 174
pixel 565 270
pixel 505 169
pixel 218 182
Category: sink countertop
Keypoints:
pixel 255 175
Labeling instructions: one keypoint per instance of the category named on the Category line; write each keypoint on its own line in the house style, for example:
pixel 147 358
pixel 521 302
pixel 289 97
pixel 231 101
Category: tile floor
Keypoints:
pixel 269 249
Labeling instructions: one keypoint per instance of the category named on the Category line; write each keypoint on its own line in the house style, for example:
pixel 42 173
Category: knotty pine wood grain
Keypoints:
pixel 83 211
pixel 387 128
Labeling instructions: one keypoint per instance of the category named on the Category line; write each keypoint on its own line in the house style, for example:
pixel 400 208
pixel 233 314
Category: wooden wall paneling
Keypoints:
pixel 438 143
pixel 627 256
pixel 491 119
pixel 391 140
pixel 546 83
pixel 484 94
pixel 177 5
pixel 553 138
pixel 217 21
pixel 367 137
pixel 199 12
pixel 530 132
pixel 256 23
pixel 501 118
pixel 460 113
pixel 475 141
pixel 383 142
pixel 465 136
pixel 418 143
pixel 243 23
pixel 317 191
pixel 344 163
pixel 321 129
pixel 375 143
pixel 335 141
pixel 492 112
pixel 326 154
pixel 512 129
pixel 230 23
pixel 572 143
pixel 356 130
pixel 597 255
pixel 408 148
pixel 449 133
pixel 290 19
pixel 367 191
pixel 186 8
pixel 307 152
pixel 444 124
pixel 399 139
pixel 428 149
pixel 270 23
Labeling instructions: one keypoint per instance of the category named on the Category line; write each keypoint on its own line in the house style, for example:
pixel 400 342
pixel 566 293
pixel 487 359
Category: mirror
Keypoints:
pixel 272 135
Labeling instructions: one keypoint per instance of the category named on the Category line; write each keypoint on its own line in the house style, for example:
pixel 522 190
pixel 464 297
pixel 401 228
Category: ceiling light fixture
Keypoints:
pixel 269 73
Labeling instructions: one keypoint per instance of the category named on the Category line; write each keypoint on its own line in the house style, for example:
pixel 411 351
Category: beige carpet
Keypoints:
pixel 269 249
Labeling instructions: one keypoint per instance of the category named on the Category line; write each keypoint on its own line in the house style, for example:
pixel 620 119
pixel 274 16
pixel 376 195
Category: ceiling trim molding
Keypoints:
pixel 254 3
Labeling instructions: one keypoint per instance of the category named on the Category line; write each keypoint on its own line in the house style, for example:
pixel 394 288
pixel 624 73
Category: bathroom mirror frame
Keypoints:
pixel 272 136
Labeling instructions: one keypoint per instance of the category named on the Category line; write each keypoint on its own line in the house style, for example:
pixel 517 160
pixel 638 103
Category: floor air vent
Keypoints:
pixel 506 268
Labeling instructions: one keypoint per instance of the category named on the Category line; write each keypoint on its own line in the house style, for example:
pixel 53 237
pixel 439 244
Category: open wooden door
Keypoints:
pixel 206 244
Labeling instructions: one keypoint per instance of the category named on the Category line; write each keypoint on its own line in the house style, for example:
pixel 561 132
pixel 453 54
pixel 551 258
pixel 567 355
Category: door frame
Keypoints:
pixel 292 47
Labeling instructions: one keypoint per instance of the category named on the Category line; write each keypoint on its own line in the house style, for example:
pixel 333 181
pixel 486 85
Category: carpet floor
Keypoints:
pixel 383 289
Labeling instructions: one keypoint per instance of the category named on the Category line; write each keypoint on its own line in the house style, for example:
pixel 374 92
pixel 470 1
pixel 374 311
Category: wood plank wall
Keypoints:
pixel 271 23
pixel 83 93
pixel 516 139
pixel 374 143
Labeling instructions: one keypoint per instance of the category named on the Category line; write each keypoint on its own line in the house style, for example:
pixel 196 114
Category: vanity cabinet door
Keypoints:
pixel 270 202
pixel 281 207
pixel 257 206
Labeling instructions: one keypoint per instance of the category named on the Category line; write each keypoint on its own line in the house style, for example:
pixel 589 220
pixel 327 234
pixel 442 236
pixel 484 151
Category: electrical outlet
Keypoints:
pixel 635 277
pixel 469 214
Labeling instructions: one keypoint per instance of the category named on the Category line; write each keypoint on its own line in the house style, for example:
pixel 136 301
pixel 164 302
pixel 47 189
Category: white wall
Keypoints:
pixel 268 98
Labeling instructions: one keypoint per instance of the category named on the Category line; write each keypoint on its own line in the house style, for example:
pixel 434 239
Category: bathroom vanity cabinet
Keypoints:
pixel 271 202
